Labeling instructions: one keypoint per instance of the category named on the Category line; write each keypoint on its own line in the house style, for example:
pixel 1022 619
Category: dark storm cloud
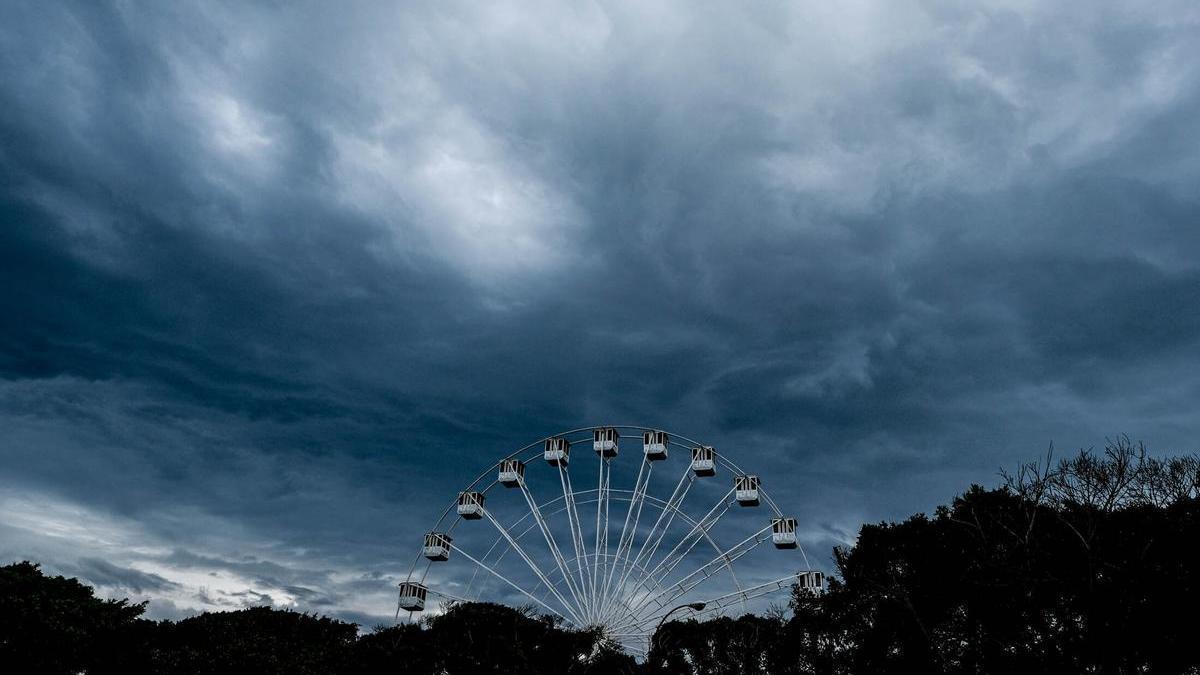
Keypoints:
pixel 276 279
pixel 121 579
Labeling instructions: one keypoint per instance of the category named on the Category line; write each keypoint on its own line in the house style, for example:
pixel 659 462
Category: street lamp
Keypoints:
pixel 695 606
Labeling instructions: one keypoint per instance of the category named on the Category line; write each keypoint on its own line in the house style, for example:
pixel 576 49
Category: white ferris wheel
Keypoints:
pixel 617 559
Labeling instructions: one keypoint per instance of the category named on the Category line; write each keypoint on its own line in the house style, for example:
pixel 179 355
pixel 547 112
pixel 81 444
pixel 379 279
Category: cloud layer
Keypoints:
pixel 263 265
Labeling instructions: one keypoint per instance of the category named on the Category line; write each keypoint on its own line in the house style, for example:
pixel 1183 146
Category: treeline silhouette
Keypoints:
pixel 1086 565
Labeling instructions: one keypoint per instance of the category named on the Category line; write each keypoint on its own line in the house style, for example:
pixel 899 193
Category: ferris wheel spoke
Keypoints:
pixel 680 557
pixel 499 538
pixel 626 562
pixel 581 559
pixel 541 590
pixel 424 572
pixel 516 546
pixel 448 596
pixel 670 506
pixel 506 580
pixel 701 528
pixel 475 572
pixel 552 545
pixel 655 602
pixel 601 549
pixel 733 553
pixel 658 587
pixel 675 508
pixel 576 535
pixel 631 623
pixel 569 505
pixel 673 557
pixel 617 595
pixel 639 487
pixel 715 605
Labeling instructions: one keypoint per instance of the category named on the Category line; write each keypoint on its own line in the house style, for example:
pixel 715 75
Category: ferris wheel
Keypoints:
pixel 532 530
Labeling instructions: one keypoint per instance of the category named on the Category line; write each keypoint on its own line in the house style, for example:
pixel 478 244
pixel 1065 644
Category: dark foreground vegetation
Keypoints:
pixel 1090 565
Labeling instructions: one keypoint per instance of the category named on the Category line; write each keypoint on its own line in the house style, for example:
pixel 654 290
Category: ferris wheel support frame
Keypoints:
pixel 598 581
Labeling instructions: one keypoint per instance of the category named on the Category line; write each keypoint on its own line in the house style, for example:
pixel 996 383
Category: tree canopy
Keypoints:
pixel 1088 565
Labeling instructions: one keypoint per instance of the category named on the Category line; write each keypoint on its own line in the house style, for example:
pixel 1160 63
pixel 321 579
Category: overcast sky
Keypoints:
pixel 277 278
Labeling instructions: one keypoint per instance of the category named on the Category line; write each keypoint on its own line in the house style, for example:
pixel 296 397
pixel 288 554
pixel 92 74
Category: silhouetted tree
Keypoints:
pixel 57 625
pixel 486 638
pixel 722 646
pixel 405 648
pixel 254 640
pixel 491 638
pixel 1087 565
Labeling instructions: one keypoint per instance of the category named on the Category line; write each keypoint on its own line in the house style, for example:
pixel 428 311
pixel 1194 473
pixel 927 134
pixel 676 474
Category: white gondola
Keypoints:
pixel 604 441
pixel 654 444
pixel 412 596
pixel 811 581
pixel 437 546
pixel 512 472
pixel 470 505
pixel 746 490
pixel 558 451
pixel 783 532
pixel 704 461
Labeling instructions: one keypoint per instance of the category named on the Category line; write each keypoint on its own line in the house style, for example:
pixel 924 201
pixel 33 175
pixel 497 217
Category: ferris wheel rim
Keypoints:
pixel 529 452
pixel 633 620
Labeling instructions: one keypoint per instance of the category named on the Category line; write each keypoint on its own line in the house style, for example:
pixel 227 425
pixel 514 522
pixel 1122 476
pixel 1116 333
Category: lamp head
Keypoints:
pixel 697 605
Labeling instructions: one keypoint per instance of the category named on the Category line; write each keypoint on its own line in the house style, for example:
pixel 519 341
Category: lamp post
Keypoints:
pixel 695 606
